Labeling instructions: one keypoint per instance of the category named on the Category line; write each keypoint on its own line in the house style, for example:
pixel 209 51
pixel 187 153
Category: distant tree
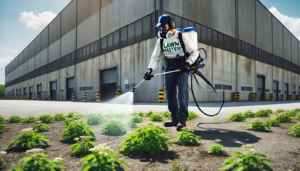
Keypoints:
pixel 2 90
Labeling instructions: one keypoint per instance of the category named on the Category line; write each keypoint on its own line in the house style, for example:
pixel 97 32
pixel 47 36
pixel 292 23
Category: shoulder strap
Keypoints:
pixel 181 43
pixel 161 44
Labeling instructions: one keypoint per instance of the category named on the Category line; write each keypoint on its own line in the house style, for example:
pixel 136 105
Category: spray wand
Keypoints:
pixel 154 76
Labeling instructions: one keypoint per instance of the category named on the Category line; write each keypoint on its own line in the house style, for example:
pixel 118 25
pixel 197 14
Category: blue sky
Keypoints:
pixel 23 20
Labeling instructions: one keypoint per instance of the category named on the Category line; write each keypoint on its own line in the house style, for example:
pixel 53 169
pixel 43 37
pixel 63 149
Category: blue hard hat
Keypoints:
pixel 163 20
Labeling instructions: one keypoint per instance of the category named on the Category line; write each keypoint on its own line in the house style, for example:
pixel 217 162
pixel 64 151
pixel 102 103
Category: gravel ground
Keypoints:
pixel 277 145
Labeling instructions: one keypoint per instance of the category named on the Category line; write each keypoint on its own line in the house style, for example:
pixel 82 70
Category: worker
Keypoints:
pixel 179 53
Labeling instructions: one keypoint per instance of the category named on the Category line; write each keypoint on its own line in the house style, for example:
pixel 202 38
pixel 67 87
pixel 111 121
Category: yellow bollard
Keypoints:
pixel 84 96
pixel 98 96
pixel 161 96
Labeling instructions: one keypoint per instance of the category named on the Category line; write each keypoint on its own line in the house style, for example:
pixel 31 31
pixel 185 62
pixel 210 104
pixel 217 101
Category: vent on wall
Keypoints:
pixel 86 88
pixel 247 88
pixel 223 87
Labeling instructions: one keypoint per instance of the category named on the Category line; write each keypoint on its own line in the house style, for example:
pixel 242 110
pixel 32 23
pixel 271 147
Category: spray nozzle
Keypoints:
pixel 133 89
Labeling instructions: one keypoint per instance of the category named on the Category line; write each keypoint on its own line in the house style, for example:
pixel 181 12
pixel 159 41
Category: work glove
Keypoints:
pixel 184 67
pixel 147 75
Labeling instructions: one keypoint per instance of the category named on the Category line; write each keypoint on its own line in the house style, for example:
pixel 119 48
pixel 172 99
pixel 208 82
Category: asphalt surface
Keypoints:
pixel 26 108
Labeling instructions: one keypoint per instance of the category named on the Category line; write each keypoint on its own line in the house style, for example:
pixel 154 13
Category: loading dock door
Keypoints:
pixel 109 79
pixel 70 87
pixel 25 92
pixel 260 88
pixel 53 90
pixel 286 91
pixel 30 92
pixel 275 90
pixel 39 91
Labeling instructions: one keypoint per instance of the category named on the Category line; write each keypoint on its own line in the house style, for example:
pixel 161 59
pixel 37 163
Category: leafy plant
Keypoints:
pixel 2 165
pixel 135 119
pixel 237 117
pixel 269 111
pixel 167 114
pixel 40 127
pixel 291 112
pixel 94 118
pixel 272 122
pixel 295 130
pixel 114 127
pixel 249 114
pixel 175 167
pixel 283 118
pixel 153 124
pixel 76 129
pixel 149 113
pixel 192 115
pixel 216 121
pixel 38 161
pixel 186 137
pixel 29 119
pixel 2 127
pixel 262 113
pixel 279 110
pixel 75 115
pixel 141 114
pixel 46 118
pixel 156 117
pixel 102 158
pixel 297 116
pixel 82 145
pixel 296 110
pixel 2 120
pixel 258 125
pixel 247 161
pixel 216 148
pixel 14 119
pixel 59 117
pixel 148 138
pixel 28 139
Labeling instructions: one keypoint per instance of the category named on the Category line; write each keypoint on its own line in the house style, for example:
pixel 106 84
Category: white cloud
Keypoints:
pixel 36 20
pixel 4 61
pixel 14 51
pixel 291 23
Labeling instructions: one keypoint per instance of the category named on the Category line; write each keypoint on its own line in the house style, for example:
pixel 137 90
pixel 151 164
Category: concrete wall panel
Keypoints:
pixel 245 76
pixel 287 50
pixel 68 17
pixel 54 51
pixel 88 31
pixel 278 76
pixel 246 20
pixel 54 30
pixel 277 38
pixel 294 85
pixel 25 56
pixel 31 51
pixel 68 43
pixel 30 65
pixel 219 15
pixel 37 60
pixel 295 50
pixel 44 38
pixel 25 68
pixel 37 44
pixel 287 79
pixel 263 28
pixel 122 12
pixel 224 73
pixel 44 56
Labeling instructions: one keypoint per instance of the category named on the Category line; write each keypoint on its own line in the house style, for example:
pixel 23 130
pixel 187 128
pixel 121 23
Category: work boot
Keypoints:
pixel 181 124
pixel 174 122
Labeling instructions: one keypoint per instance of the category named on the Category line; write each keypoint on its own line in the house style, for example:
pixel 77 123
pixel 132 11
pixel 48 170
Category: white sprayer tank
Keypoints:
pixel 190 32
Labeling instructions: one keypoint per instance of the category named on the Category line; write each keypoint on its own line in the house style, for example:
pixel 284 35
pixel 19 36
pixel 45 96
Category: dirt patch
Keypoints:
pixel 280 148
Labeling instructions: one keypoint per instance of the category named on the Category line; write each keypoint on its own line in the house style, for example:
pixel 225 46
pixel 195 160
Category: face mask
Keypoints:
pixel 164 34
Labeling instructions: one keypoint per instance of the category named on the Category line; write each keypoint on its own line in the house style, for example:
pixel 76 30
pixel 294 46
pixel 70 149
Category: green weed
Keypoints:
pixel 59 117
pixel 113 127
pixel 257 125
pixel 14 119
pixel 237 117
pixel 279 110
pixel 46 118
pixel 149 113
pixel 76 129
pixel 249 114
pixel 95 119
pixel 29 119
pixel 283 118
pixel 186 137
pixel 262 113
pixel 295 130
pixel 82 145
pixel 192 115
pixel 272 122
pixel 216 148
pixel 155 117
pixel 40 127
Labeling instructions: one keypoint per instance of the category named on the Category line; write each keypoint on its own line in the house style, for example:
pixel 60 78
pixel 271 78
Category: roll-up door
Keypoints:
pixel 53 90
pixel 70 87
pixel 275 90
pixel 286 92
pixel 39 91
pixel 109 80
pixel 260 88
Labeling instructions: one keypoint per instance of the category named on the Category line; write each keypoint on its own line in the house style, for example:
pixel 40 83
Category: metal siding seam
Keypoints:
pixel 237 37
pixel 272 54
pixel 75 70
pixel 255 78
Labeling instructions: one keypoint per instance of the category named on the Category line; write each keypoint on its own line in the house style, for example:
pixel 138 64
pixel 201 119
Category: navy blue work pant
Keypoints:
pixel 177 106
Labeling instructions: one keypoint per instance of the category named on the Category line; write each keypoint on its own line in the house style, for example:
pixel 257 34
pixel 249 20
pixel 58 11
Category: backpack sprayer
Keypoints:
pixel 193 69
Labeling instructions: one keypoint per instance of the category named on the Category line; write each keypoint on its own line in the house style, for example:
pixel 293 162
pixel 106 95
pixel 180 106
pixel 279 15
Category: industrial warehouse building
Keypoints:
pixel 106 45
